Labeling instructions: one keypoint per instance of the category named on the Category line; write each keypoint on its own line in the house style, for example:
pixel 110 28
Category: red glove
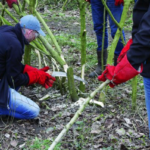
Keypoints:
pixel 124 50
pixel 38 76
pixel 30 68
pixel 119 2
pixel 120 73
pixel 10 2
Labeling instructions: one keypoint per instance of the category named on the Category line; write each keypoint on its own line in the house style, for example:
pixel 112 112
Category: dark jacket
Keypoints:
pixel 139 52
pixel 12 43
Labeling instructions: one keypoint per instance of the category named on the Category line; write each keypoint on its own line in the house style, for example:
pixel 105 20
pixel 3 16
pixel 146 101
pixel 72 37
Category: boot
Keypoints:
pixel 115 59
pixel 98 69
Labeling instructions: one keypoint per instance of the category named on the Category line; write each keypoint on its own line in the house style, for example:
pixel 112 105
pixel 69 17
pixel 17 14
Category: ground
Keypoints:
pixel 114 127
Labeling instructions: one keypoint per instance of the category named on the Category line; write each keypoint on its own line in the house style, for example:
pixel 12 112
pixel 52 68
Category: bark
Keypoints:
pixel 82 6
pixel 71 85
pixel 27 55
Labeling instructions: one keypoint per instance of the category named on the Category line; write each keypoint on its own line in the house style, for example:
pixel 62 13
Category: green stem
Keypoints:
pixel 63 8
pixel 118 33
pixel 83 39
pixel 134 92
pixel 27 54
pixel 49 32
pixel 110 14
pixel 71 85
pixel 103 39
pixel 52 51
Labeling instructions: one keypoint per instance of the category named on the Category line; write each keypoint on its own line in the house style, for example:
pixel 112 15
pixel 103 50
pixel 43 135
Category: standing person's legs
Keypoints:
pixel 117 12
pixel 147 98
pixel 20 107
pixel 97 15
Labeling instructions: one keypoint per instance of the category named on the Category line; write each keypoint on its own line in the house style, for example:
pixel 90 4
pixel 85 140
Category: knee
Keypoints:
pixel 98 28
pixel 34 112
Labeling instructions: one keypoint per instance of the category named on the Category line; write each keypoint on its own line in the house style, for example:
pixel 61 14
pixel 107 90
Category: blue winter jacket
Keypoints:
pixel 12 43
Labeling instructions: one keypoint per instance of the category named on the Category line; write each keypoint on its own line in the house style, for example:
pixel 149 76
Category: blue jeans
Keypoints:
pixel 147 98
pixel 20 107
pixel 97 15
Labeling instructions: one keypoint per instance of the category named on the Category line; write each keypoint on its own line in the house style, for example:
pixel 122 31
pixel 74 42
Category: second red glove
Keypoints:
pixel 10 2
pixel 124 50
pixel 118 2
pixel 120 73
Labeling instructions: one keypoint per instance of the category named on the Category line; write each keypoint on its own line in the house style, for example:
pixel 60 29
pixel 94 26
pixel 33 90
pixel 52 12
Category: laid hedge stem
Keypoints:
pixel 48 30
pixel 4 21
pixel 23 5
pixel 53 53
pixel 39 44
pixel 3 9
pixel 8 13
pixel 16 8
pixel 77 114
pixel 3 12
pixel 27 54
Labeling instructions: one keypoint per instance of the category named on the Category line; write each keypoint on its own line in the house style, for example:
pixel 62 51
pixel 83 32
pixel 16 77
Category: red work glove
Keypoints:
pixel 40 77
pixel 30 68
pixel 124 50
pixel 118 2
pixel 10 2
pixel 120 73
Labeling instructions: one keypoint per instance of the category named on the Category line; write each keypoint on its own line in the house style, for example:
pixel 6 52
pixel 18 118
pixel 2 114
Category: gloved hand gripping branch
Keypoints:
pixel 123 72
pixel 39 76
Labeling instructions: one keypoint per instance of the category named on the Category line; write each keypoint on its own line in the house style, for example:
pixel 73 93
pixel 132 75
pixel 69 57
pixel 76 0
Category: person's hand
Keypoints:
pixel 11 2
pixel 124 50
pixel 30 68
pixel 40 77
pixel 120 73
pixel 119 2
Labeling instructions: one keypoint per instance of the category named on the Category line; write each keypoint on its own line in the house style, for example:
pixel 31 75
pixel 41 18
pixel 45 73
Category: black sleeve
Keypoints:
pixel 140 49
pixel 14 67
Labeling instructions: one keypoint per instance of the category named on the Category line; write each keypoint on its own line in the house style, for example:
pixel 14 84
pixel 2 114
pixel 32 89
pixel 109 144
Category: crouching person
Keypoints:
pixel 13 74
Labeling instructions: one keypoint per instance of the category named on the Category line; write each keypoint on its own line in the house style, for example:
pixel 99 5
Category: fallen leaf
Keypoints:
pixel 14 143
pixel 120 131
pixel 127 121
pixel 7 135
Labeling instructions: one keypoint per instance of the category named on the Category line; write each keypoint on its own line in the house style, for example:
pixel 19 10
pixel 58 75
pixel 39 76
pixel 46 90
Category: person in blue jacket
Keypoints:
pixel 13 74
pixel 116 9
